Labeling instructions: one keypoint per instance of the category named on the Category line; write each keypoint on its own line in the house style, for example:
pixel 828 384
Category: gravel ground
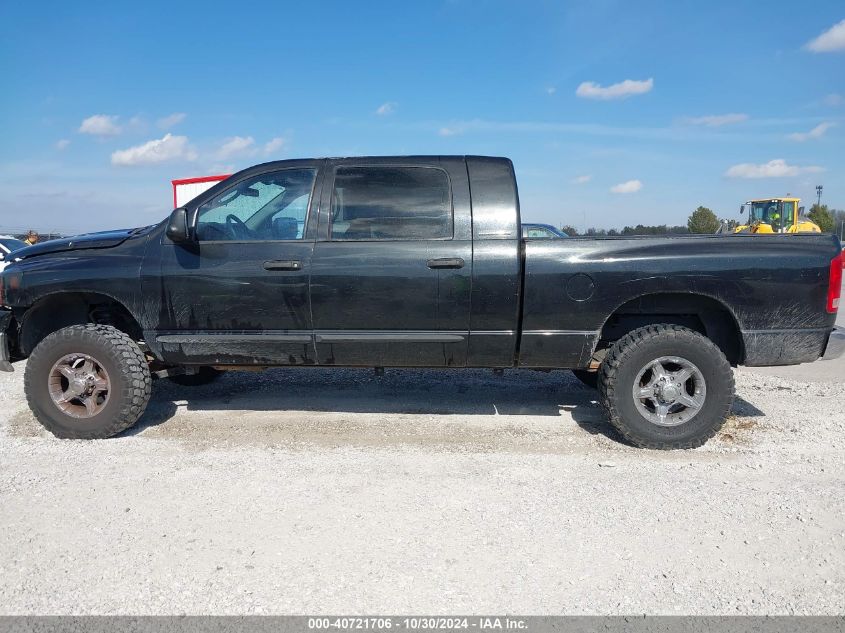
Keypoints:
pixel 337 491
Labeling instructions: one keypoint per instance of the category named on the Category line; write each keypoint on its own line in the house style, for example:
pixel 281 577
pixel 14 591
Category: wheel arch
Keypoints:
pixel 701 312
pixel 56 310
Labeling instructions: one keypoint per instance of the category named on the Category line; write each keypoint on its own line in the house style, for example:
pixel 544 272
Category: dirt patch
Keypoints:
pixel 24 424
pixel 738 431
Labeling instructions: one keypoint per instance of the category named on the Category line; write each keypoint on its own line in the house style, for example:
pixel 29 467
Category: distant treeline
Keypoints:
pixel 703 220
pixel 640 229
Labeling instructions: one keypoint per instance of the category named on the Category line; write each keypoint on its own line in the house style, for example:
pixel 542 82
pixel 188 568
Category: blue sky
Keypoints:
pixel 614 112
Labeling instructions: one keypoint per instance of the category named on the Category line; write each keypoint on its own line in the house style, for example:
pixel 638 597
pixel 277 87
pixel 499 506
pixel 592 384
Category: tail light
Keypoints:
pixel 834 288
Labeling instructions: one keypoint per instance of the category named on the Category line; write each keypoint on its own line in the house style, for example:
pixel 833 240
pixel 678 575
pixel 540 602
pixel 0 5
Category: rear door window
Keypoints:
pixel 391 203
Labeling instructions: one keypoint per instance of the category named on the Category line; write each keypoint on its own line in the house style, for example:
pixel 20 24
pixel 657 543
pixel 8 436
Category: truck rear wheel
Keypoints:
pixel 87 382
pixel 666 386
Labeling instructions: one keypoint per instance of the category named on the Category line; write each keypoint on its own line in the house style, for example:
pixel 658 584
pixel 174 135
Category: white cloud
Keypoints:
pixel 833 100
pixel 831 40
pixel 449 131
pixel 816 132
pixel 62 144
pixel 777 168
pixel 629 186
pixel 166 149
pixel 386 108
pixel 717 120
pixel 580 180
pixel 622 90
pixel 236 146
pixel 167 122
pixel 274 145
pixel 100 125
pixel 551 90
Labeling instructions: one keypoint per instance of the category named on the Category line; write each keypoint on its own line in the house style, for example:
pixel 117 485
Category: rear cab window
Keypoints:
pixel 384 202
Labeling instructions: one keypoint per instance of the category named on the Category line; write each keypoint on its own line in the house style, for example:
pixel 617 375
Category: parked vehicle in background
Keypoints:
pixel 8 245
pixel 541 231
pixel 408 262
pixel 776 215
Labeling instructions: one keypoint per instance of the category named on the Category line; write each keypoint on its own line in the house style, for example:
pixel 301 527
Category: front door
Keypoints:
pixel 390 276
pixel 238 294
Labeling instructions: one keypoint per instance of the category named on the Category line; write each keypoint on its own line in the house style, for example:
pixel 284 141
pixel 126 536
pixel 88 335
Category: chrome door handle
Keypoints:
pixel 279 264
pixel 446 262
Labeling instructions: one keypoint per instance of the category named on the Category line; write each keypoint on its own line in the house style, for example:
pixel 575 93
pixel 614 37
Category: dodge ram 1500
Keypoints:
pixel 408 262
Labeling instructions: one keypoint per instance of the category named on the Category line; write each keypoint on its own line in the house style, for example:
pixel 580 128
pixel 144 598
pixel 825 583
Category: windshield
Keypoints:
pixel 773 212
pixel 11 244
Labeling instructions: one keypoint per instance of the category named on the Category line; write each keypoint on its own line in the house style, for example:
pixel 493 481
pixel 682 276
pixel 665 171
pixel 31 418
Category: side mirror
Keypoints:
pixel 800 210
pixel 177 226
pixel 741 209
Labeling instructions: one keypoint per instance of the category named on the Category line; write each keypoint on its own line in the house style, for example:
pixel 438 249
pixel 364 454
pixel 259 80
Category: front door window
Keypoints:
pixel 267 207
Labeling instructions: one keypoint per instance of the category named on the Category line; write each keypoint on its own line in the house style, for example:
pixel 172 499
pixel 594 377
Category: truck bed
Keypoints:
pixel 771 289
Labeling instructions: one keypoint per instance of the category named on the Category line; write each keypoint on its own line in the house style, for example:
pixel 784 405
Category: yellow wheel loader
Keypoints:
pixel 776 215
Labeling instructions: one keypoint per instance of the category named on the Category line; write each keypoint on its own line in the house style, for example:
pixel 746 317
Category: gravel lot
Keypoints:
pixel 320 491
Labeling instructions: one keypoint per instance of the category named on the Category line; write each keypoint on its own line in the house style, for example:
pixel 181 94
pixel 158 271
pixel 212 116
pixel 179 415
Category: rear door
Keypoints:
pixel 392 265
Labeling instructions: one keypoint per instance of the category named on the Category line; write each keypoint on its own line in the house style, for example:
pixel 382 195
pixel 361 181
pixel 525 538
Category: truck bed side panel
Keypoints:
pixel 774 288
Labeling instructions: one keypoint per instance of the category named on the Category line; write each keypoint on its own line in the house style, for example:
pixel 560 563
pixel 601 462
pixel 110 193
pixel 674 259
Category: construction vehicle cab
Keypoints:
pixel 776 215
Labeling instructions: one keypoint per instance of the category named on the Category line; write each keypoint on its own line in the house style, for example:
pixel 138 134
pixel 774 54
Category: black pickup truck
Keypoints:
pixel 408 262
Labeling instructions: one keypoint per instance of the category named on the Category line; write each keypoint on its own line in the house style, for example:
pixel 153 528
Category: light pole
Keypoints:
pixel 819 193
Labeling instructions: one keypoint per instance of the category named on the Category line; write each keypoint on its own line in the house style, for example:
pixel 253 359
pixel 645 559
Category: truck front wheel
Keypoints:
pixel 87 382
pixel 666 386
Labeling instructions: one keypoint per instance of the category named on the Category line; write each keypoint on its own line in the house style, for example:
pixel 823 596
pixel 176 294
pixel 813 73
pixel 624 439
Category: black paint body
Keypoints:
pixel 511 302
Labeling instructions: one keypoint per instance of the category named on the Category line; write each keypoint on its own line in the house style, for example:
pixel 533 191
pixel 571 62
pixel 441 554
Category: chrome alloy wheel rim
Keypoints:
pixel 669 391
pixel 79 385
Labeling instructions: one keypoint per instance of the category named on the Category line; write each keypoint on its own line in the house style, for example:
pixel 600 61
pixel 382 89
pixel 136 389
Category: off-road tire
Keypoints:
pixel 632 352
pixel 588 378
pixel 204 376
pixel 119 355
